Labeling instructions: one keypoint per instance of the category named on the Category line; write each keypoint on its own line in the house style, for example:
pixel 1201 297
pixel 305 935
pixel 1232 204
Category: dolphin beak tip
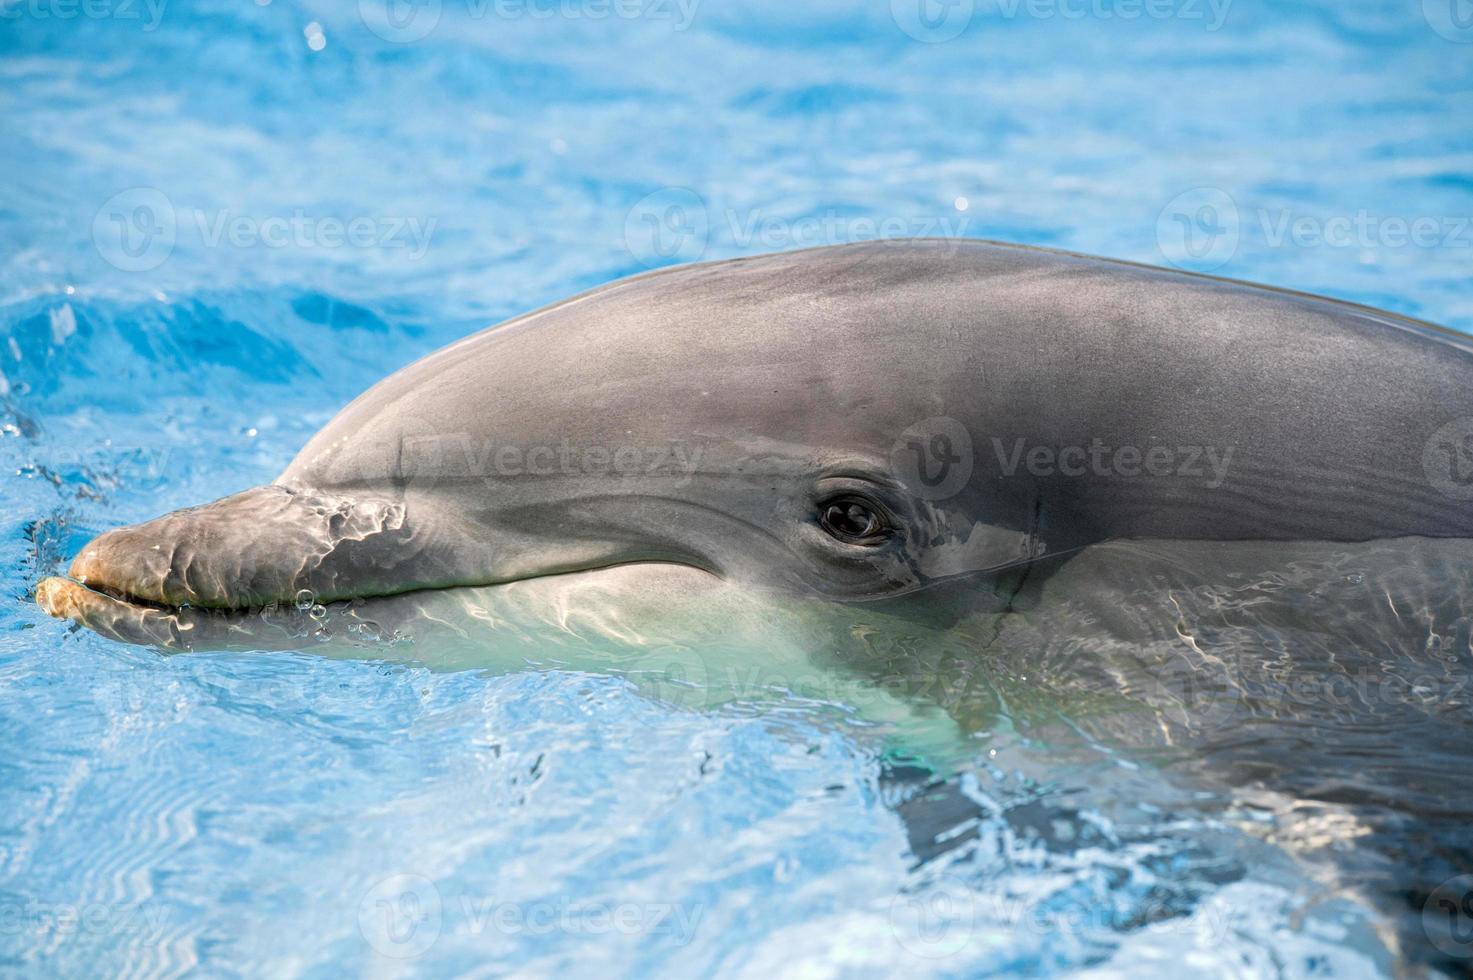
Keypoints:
pixel 112 618
pixel 59 597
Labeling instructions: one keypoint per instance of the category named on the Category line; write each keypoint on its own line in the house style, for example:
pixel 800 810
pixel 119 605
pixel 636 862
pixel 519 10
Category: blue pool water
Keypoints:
pixel 221 220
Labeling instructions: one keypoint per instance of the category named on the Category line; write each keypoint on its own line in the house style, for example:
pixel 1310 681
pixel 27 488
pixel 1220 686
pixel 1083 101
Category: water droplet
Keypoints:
pixel 1355 578
pixel 305 599
pixel 318 611
pixel 368 630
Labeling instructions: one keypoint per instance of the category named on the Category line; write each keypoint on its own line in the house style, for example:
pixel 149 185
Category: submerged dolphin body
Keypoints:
pixel 1102 500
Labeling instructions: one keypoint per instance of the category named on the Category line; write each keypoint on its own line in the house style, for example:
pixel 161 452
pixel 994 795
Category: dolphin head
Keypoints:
pixel 753 427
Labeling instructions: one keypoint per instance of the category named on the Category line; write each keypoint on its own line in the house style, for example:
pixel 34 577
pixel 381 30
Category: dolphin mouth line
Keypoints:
pixel 282 625
pixel 48 588
pixel 117 595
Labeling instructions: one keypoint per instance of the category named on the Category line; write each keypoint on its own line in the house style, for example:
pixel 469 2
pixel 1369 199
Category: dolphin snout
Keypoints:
pixel 267 545
pixel 140 563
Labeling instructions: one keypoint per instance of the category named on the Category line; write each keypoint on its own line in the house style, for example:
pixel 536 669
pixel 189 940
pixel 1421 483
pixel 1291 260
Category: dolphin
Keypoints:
pixel 949 481
pixel 857 423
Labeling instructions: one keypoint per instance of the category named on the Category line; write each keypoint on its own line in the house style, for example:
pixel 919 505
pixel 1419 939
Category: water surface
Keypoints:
pixel 223 219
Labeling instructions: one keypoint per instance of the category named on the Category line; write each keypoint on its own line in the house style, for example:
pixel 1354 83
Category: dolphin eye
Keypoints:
pixel 852 521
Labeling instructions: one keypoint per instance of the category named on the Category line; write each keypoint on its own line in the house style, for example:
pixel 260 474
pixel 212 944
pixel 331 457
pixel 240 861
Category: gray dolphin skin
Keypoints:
pixel 855 422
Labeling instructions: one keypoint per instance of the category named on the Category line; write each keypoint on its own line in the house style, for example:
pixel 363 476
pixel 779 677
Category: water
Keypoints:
pixel 222 220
